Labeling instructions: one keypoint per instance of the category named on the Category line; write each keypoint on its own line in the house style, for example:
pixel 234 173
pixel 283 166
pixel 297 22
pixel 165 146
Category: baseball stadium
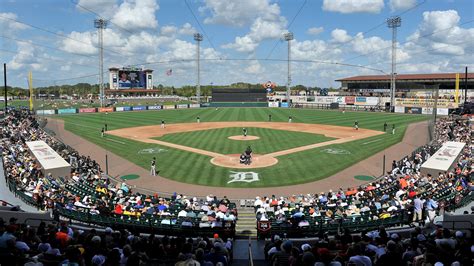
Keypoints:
pixel 133 172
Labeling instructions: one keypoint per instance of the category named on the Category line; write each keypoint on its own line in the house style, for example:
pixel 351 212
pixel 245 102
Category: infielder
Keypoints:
pixel 198 119
pixel 356 125
pixel 244 131
pixel 290 119
pixel 162 123
pixel 153 167
pixel 393 129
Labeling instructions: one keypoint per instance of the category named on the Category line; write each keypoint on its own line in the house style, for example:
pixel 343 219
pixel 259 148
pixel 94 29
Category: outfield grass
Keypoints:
pixel 271 140
pixel 193 168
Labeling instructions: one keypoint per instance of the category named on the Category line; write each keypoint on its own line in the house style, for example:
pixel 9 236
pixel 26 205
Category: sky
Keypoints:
pixel 242 39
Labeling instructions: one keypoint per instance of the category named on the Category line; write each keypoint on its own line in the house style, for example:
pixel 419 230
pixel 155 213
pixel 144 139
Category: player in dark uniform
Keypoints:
pixel 269 118
pixel 385 127
pixel 356 125
pixel 162 123
pixel 244 131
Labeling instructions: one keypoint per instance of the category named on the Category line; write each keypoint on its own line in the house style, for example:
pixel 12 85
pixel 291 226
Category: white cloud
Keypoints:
pixel 9 27
pixel 238 13
pixel 353 6
pixel 340 36
pixel 136 15
pixel 266 26
pixel 26 59
pixel 254 68
pixel 187 29
pixel 315 30
pixel 401 4
pixel 168 30
pixel 80 42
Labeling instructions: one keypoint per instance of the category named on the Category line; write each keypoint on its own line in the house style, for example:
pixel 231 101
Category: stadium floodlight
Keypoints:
pixel 198 38
pixel 101 24
pixel 393 23
pixel 288 37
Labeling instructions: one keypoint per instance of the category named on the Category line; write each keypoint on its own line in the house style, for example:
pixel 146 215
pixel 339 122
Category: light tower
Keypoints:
pixel 288 37
pixel 198 39
pixel 393 23
pixel 100 24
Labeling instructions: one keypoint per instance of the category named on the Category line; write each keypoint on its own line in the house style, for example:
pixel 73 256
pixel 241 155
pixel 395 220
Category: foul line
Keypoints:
pixel 123 143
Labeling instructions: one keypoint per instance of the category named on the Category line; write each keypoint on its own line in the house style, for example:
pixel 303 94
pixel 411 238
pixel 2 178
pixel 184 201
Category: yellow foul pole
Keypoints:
pixel 30 85
pixel 456 92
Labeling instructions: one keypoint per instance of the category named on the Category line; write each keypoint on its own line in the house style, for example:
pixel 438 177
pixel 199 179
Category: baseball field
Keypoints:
pixel 317 144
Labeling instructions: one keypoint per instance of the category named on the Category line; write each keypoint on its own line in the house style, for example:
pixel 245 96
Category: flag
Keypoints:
pixel 169 72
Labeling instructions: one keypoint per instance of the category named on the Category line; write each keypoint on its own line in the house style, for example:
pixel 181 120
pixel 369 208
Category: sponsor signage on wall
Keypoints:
pixel 194 105
pixel 45 112
pixel 181 106
pixel 413 110
pixel 105 109
pixel 168 107
pixel 399 109
pixel 154 107
pixel 138 108
pixel 427 110
pixel 87 110
pixel 350 100
pixel 272 104
pixel 372 101
pixel 119 109
pixel 443 111
pixel 67 111
pixel 127 108
pixel 340 100
pixel 413 102
pixel 284 105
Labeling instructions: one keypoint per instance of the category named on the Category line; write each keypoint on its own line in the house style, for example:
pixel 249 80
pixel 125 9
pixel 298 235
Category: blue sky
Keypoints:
pixel 60 46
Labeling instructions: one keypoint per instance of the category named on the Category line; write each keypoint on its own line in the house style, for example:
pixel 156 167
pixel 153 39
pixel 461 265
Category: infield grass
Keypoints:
pixel 193 168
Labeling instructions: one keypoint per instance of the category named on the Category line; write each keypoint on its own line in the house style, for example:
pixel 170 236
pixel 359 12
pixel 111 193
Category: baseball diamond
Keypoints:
pixel 202 154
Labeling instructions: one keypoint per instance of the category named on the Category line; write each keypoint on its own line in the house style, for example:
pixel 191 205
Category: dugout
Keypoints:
pixel 50 161
pixel 444 159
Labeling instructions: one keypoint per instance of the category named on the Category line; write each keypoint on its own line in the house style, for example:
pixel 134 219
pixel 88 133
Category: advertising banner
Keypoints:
pixel 360 100
pixel 194 105
pixel 138 108
pixel 372 101
pixel 67 111
pixel 127 108
pixel 168 107
pixel 272 104
pixel 341 100
pixel 427 110
pixel 399 109
pixel 350 100
pixel 284 105
pixel 119 109
pixel 87 110
pixel 45 112
pixel 413 110
pixel 105 109
pixel 443 111
pixel 181 106
pixel 414 102
pixel 325 99
pixel 154 107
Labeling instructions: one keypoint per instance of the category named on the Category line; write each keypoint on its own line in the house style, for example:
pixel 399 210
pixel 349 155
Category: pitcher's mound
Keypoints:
pixel 233 161
pixel 240 137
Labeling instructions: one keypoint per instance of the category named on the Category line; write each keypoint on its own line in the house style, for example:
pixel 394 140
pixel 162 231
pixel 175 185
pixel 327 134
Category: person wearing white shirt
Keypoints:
pixel 182 213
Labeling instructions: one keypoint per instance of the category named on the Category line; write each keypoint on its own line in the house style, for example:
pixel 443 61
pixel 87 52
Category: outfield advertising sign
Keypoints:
pixel 372 100
pixel 399 109
pixel 139 108
pixel 284 105
pixel 119 109
pixel 67 111
pixel 45 112
pixel 105 109
pixel 168 107
pixel 272 104
pixel 350 100
pixel 443 111
pixel 127 108
pixel 427 110
pixel 442 103
pixel 87 110
pixel 360 100
pixel 194 105
pixel 340 100
pixel 154 107
pixel 181 106
pixel 413 110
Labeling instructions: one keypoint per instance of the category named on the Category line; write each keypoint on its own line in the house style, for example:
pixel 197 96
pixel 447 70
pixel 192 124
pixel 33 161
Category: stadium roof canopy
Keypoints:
pixel 408 77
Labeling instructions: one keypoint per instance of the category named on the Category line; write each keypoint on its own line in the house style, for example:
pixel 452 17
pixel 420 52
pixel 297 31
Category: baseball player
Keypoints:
pixel 356 125
pixel 385 127
pixel 102 132
pixel 269 118
pixel 162 123
pixel 105 126
pixel 244 130
pixel 393 129
pixel 290 118
pixel 153 167
pixel 198 119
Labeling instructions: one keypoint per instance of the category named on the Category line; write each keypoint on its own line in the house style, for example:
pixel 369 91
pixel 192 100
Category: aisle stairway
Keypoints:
pixel 246 224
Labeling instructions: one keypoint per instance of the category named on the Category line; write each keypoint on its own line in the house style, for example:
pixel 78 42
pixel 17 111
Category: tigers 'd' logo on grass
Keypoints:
pixel 247 177
pixel 151 151
pixel 336 151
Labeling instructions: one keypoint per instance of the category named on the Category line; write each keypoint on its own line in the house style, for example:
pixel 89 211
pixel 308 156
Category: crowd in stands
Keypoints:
pixel 61 244
pixel 402 191
pixel 89 191
pixel 436 246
